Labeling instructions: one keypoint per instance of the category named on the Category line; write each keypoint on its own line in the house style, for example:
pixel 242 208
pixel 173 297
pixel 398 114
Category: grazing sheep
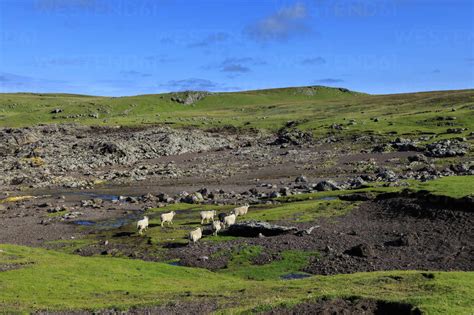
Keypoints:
pixel 229 220
pixel 242 210
pixel 195 235
pixel 207 215
pixel 221 216
pixel 142 225
pixel 167 217
pixel 216 227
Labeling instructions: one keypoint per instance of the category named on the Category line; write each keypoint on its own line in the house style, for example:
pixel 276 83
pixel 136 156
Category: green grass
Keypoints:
pixel 187 218
pixel 58 281
pixel 304 211
pixel 61 281
pixel 241 265
pixel 405 114
pixel 452 186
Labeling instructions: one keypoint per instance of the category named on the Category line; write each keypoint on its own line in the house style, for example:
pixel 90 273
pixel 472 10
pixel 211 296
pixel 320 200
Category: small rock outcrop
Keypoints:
pixel 447 148
pixel 293 136
pixel 189 97
pixel 326 185
pixel 361 250
pixel 254 228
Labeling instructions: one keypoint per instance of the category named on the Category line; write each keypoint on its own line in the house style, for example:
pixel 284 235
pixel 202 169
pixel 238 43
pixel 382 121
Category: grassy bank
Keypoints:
pixel 48 280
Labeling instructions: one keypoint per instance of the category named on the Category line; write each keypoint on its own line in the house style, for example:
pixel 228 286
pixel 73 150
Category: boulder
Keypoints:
pixel 254 228
pixel 402 144
pixel 326 185
pixel 275 194
pixel 361 250
pixel 301 179
pixel 357 183
pixel 292 136
pixel 386 175
pixel 285 191
pixel 193 198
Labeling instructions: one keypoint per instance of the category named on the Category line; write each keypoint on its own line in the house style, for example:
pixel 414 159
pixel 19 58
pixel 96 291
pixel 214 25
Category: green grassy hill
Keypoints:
pixel 315 109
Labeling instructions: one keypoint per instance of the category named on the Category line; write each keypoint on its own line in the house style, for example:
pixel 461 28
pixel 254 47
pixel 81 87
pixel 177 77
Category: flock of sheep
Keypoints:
pixel 225 220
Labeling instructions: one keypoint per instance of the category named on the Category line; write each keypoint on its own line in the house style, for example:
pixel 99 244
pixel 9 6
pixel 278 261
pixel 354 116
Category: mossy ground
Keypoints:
pixel 452 186
pixel 50 280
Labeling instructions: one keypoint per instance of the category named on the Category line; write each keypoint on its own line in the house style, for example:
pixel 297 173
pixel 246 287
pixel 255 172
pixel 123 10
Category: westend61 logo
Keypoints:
pixel 102 61
pixel 357 8
pixel 99 7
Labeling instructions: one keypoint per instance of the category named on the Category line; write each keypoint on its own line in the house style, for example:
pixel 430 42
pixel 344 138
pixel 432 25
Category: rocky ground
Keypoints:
pixel 79 157
pixel 392 234
pixel 93 173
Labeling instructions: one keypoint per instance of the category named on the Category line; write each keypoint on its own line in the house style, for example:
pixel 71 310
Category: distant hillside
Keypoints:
pixel 320 109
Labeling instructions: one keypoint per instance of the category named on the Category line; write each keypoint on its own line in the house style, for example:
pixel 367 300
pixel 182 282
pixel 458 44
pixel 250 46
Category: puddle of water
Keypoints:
pixel 91 195
pixel 295 276
pixel 174 263
pixel 84 222
pixel 110 224
pixel 327 198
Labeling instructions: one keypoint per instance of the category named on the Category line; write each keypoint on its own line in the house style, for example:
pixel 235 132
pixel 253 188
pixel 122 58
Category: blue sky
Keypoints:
pixel 128 47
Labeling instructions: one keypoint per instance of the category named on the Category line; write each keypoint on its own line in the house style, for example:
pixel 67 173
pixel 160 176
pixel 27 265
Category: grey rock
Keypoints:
pixel 301 179
pixel 447 148
pixel 285 191
pixel 386 175
pixel 418 158
pixel 189 97
pixel 254 228
pixel 275 194
pixel 307 231
pixel 361 250
pixel 402 144
pixel 326 185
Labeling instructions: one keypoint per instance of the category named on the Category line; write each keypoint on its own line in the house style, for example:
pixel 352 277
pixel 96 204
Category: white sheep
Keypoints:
pixel 142 225
pixel 216 227
pixel 195 235
pixel 242 210
pixel 229 220
pixel 207 215
pixel 167 217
